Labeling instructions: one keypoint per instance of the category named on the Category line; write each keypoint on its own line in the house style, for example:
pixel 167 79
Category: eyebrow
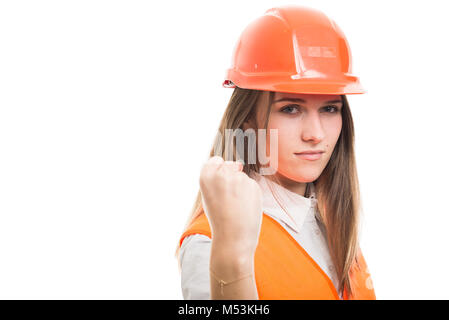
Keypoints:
pixel 304 101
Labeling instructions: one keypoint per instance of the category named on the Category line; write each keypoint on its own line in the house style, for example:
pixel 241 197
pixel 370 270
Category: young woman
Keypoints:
pixel 287 228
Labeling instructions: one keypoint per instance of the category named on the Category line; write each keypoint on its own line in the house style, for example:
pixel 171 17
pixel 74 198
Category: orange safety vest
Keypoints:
pixel 285 271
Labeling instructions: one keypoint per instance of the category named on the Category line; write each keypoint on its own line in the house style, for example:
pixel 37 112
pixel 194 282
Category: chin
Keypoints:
pixel 303 176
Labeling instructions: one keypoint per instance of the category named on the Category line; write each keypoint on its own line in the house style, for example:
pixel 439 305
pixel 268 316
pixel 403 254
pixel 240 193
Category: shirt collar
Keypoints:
pixel 298 209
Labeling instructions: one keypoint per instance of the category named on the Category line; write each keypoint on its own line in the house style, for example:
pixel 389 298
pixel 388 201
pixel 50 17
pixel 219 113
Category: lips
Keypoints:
pixel 310 152
pixel 310 155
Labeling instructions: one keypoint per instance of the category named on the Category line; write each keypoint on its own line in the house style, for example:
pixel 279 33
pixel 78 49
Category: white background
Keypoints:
pixel 108 110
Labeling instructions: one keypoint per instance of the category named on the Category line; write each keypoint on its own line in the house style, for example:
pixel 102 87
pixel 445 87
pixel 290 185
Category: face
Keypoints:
pixel 305 122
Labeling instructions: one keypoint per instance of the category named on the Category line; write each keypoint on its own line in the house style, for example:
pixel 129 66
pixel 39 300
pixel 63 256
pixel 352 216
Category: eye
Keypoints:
pixel 331 109
pixel 291 107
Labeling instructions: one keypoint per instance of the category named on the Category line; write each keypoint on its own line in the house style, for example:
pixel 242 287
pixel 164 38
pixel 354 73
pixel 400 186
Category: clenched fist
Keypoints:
pixel 232 202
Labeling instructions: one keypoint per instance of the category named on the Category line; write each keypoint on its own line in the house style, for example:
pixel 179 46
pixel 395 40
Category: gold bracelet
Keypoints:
pixel 223 283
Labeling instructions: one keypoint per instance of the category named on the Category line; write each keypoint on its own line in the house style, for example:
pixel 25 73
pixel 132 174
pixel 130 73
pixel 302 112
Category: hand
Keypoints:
pixel 232 202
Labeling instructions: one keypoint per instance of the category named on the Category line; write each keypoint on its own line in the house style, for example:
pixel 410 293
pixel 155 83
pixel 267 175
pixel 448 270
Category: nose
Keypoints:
pixel 312 130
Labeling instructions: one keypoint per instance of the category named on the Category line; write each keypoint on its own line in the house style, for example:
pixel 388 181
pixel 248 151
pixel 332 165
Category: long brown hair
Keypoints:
pixel 337 188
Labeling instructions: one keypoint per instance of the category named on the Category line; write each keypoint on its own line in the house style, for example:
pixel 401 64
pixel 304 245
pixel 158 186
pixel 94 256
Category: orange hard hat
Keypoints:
pixel 293 49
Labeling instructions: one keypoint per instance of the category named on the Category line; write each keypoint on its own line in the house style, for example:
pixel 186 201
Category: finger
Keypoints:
pixel 209 168
pixel 232 165
pixel 216 159
pixel 237 165
pixel 212 164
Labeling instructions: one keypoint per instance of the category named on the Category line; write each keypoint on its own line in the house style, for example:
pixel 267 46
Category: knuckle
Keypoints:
pixel 215 160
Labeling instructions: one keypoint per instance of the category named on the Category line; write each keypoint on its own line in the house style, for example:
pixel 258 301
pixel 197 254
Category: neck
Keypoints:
pixel 294 186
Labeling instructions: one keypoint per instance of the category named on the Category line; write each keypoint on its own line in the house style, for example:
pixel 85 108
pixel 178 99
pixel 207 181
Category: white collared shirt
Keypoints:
pixel 300 221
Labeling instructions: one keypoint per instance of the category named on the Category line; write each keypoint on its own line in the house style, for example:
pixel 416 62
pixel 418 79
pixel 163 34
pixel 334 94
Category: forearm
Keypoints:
pixel 232 275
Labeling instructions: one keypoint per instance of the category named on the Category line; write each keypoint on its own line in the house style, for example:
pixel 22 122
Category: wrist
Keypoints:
pixel 230 260
pixel 239 247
